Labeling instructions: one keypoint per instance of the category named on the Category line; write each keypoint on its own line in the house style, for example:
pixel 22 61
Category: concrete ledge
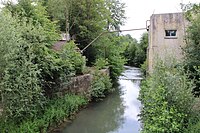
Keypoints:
pixel 171 37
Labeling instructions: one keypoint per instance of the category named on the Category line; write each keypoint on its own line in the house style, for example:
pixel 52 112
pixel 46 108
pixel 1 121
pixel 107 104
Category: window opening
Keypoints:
pixel 170 33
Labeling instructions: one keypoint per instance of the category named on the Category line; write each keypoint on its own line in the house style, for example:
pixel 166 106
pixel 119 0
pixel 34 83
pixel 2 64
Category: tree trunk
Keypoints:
pixel 67 23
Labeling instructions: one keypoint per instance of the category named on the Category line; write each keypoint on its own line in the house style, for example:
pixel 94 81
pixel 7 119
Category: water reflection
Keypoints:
pixel 131 124
pixel 115 114
pixel 100 117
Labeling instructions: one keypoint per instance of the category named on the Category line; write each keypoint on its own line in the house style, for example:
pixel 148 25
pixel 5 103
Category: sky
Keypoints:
pixel 139 11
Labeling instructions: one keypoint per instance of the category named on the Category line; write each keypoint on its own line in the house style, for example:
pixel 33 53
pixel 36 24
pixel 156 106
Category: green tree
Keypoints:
pixel 61 11
pixel 116 15
pixel 36 13
pixel 141 52
pixel 136 52
pixel 130 52
pixel 111 48
pixel 87 19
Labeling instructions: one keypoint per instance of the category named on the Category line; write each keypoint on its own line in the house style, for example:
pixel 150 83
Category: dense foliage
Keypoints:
pixel 130 51
pixel 136 52
pixel 31 71
pixel 101 85
pixel 34 12
pixel 192 60
pixel 86 19
pixel 71 52
pixel 167 101
pixel 20 85
pixel 111 50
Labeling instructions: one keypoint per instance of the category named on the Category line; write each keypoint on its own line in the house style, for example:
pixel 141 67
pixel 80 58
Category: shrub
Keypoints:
pixel 144 68
pixel 194 120
pixel 31 69
pixel 101 63
pixel 100 86
pixel 116 65
pixel 70 52
pixel 21 90
pixel 55 71
pixel 193 127
pixel 167 100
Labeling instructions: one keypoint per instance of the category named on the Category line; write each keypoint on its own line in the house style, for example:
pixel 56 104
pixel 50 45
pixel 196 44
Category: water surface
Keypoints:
pixel 117 113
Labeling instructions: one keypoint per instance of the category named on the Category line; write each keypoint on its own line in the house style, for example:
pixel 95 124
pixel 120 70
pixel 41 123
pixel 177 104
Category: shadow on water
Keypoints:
pixel 117 113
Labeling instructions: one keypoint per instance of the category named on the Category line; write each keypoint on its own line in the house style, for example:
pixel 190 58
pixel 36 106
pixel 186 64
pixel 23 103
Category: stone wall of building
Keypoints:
pixel 161 46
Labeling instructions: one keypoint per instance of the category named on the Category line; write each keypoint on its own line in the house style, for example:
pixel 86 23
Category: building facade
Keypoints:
pixel 166 37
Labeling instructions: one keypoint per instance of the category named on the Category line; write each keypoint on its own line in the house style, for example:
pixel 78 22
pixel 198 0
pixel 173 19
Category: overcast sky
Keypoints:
pixel 138 11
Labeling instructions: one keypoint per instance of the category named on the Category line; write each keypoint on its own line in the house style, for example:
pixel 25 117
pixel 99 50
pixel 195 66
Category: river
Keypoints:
pixel 117 113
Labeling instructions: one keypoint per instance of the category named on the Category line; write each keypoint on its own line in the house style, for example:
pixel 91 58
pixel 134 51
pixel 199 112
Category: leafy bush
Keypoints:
pixel 55 71
pixel 101 85
pixel 194 120
pixel 144 68
pixel 56 110
pixel 101 63
pixel 30 70
pixel 22 93
pixel 167 100
pixel 70 52
pixel 20 85
pixel 193 127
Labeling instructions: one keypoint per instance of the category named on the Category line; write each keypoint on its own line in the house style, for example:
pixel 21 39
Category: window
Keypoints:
pixel 170 33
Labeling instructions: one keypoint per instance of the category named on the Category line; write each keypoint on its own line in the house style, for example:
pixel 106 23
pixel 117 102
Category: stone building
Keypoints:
pixel 166 37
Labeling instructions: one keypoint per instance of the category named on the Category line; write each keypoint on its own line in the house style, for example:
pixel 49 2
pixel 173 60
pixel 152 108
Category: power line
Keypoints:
pixel 105 32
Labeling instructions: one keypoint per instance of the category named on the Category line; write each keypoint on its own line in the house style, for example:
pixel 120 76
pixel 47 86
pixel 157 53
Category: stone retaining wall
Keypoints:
pixel 80 84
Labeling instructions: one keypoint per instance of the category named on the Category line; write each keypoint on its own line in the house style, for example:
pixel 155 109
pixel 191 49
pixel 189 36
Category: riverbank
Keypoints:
pixel 64 105
pixel 55 112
